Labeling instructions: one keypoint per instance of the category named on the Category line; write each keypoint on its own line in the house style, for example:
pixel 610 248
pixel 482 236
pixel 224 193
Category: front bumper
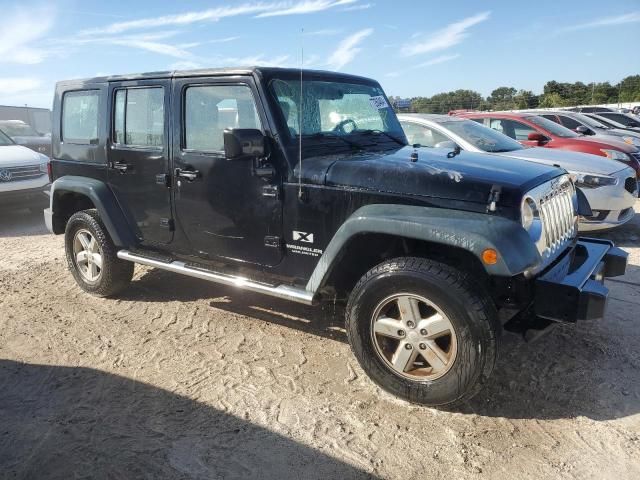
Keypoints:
pixel 31 197
pixel 572 289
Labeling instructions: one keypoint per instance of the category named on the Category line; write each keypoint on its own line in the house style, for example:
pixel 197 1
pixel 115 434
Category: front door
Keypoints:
pixel 227 211
pixel 138 153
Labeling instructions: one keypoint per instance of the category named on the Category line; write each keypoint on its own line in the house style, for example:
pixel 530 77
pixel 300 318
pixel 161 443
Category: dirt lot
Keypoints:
pixel 184 379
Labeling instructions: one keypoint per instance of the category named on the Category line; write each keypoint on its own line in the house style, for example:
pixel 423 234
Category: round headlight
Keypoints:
pixel 531 218
pixel 529 212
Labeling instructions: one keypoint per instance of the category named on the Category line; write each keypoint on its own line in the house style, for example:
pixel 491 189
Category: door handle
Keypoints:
pixel 120 166
pixel 189 175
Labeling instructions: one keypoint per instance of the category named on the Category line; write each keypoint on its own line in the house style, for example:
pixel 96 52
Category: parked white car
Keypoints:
pixel 23 176
pixel 610 186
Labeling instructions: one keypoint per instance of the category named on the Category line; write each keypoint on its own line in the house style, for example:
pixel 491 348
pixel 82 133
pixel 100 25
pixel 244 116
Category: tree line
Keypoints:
pixel 555 94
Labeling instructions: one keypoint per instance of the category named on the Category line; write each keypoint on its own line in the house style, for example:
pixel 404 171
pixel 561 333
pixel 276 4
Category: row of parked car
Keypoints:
pixel 573 139
pixel 603 159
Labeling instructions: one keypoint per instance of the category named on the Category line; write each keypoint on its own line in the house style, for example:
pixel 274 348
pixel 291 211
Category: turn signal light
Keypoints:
pixel 490 256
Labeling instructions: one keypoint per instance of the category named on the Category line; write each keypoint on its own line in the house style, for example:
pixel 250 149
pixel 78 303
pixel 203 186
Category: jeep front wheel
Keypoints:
pixel 421 331
pixel 92 257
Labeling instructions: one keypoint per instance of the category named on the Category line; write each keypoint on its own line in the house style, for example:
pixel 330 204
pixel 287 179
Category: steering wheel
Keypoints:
pixel 340 126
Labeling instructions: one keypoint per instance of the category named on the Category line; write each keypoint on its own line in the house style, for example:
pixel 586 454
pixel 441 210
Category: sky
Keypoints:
pixel 413 48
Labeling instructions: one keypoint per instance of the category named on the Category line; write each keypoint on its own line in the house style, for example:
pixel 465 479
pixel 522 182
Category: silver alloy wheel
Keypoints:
pixel 87 255
pixel 413 337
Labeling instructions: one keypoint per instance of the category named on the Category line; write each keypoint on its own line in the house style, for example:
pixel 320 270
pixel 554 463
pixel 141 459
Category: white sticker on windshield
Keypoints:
pixel 378 102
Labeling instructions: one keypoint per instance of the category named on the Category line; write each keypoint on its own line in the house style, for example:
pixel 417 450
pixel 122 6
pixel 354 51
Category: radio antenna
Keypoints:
pixel 300 117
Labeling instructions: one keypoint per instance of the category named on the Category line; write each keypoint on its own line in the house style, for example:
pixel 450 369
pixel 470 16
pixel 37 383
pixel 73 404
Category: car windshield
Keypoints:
pixel 485 138
pixel 622 119
pixel 15 129
pixel 5 140
pixel 552 127
pixel 355 114
pixel 590 122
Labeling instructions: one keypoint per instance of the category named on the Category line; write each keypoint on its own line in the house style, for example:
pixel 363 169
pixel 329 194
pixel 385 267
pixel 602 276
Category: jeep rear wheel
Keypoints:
pixel 421 331
pixel 92 257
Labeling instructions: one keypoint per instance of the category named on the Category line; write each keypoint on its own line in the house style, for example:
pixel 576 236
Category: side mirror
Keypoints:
pixel 243 143
pixel 450 144
pixel 536 137
pixel 583 130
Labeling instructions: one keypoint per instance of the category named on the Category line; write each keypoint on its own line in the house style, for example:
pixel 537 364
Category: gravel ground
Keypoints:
pixel 184 379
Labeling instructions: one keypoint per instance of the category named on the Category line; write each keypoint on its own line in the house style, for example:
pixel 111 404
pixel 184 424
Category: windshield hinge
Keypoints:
pixel 494 197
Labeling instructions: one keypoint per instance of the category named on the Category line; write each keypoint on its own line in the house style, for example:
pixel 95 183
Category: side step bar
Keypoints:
pixel 281 291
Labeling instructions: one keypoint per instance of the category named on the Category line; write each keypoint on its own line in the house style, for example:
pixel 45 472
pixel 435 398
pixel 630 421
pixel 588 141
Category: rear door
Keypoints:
pixel 138 153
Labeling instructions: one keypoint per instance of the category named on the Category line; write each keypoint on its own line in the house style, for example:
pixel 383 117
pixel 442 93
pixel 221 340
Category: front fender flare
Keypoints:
pixel 470 231
pixel 105 202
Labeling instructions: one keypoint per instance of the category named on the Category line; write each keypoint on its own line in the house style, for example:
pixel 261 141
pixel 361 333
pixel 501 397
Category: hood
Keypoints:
pixel 17 156
pixel 600 142
pixel 466 177
pixel 574 161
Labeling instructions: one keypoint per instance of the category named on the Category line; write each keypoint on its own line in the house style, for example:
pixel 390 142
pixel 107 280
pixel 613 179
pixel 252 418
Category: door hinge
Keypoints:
pixel 163 179
pixel 167 223
pixel 271 191
pixel 273 242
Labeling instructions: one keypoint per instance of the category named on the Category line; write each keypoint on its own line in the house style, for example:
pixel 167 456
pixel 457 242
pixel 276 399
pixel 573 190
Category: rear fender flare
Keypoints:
pixel 105 202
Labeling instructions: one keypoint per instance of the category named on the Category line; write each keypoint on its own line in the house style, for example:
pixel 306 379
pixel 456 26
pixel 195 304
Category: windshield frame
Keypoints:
pixel 5 138
pixel 551 127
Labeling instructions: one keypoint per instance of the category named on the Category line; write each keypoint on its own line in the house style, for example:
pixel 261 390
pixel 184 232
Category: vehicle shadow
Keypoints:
pixel 71 422
pixel 21 223
pixel 155 285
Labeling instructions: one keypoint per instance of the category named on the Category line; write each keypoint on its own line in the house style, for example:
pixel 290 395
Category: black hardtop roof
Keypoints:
pixel 266 72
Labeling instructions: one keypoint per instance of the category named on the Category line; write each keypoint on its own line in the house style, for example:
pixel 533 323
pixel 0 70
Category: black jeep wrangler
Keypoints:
pixel 301 185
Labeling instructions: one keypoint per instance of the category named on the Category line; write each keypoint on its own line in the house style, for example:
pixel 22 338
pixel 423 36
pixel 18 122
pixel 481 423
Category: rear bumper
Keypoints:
pixel 572 289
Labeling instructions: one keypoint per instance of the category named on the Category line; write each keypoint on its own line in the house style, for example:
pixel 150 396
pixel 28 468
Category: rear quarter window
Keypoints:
pixel 80 117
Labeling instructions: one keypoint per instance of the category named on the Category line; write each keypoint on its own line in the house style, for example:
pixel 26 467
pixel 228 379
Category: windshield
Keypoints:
pixel 621 118
pixel 353 112
pixel 18 129
pixel 485 138
pixel 5 140
pixel 552 127
pixel 589 121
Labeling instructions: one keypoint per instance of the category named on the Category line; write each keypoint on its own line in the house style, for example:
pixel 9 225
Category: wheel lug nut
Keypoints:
pixel 410 324
pixel 422 346
pixel 408 346
pixel 423 332
pixel 401 333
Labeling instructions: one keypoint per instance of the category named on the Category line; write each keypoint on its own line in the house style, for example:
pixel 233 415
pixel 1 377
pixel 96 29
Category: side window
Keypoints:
pixel 521 130
pixel 209 109
pixel 511 128
pixel 553 118
pixel 569 122
pixel 425 136
pixel 139 117
pixel 80 117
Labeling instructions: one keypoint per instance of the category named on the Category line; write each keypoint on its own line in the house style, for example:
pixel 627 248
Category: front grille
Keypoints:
pixel 557 216
pixel 631 185
pixel 17 174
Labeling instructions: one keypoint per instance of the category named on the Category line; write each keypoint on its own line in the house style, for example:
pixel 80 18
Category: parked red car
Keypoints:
pixel 536 131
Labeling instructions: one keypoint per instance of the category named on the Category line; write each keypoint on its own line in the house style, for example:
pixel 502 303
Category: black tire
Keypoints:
pixel 470 312
pixel 115 274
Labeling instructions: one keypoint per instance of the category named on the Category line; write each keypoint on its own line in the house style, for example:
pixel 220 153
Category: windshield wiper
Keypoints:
pixel 376 131
pixel 333 135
